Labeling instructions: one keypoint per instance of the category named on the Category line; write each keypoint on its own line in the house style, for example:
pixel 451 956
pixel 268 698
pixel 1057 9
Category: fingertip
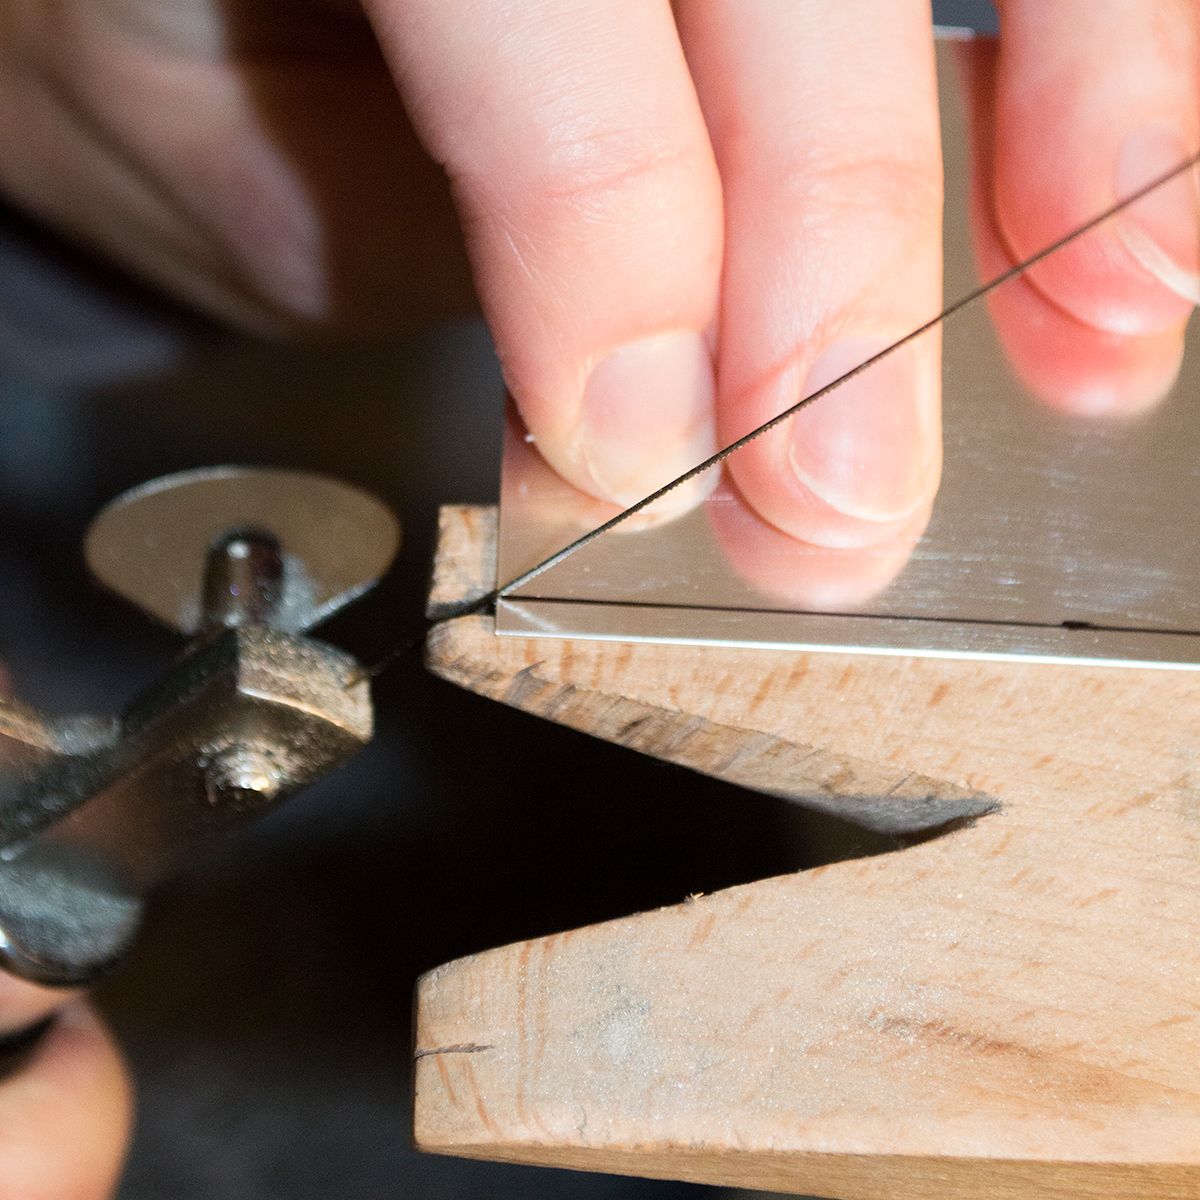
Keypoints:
pixel 852 468
pixel 1065 362
pixel 537 497
pixel 647 417
pixel 1117 278
pixel 1093 104
pixel 809 577
pixel 1077 369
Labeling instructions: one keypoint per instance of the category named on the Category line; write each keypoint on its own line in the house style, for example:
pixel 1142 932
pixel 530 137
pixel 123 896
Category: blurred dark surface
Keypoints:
pixel 266 1009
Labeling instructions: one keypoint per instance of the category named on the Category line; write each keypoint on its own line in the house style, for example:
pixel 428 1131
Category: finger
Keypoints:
pixel 1095 99
pixel 824 121
pixel 587 189
pixel 259 168
pixel 65 1118
pixel 779 567
pixel 1063 360
pixel 22 1004
pixel 817 578
pixel 542 504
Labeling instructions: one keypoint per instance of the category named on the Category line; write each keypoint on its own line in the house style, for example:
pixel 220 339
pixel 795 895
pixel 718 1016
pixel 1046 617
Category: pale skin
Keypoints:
pixel 676 220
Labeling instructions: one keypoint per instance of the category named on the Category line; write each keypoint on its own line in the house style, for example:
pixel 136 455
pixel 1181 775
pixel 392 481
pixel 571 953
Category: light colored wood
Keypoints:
pixel 1011 1009
pixel 465 566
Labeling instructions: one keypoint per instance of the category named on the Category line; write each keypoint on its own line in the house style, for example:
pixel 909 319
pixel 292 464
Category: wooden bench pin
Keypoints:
pixel 1011 1009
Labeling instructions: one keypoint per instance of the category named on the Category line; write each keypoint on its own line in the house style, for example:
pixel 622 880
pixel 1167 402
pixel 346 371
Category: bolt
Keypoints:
pixel 242 776
pixel 243 580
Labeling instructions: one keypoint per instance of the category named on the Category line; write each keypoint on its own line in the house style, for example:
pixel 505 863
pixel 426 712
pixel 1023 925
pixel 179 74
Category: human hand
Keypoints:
pixel 678 220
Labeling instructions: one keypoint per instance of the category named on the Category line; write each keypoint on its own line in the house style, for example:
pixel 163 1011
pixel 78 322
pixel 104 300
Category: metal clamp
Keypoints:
pixel 94 811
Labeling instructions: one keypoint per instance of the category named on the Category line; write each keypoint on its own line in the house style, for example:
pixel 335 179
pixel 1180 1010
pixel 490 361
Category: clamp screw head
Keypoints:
pixel 243 777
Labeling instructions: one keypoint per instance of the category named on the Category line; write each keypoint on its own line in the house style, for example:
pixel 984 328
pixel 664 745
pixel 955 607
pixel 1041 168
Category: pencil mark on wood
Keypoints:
pixel 703 929
pixel 457 1048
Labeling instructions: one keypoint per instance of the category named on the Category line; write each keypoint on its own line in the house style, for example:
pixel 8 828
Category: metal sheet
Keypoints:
pixel 1054 536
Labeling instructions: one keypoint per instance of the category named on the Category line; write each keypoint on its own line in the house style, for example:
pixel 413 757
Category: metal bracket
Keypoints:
pixel 94 811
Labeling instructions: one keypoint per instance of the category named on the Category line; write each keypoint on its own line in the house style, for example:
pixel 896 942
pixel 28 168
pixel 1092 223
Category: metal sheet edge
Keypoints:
pixel 812 632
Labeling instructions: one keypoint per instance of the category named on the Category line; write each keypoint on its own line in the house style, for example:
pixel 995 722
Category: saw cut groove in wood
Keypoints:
pixel 876 796
pixel 1009 1010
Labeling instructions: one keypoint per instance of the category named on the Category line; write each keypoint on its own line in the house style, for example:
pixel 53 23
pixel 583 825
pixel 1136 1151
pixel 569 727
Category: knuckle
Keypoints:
pixel 856 236
pixel 603 174
pixel 605 177
pixel 895 191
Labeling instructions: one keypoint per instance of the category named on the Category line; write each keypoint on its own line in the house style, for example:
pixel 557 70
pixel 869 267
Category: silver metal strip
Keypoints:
pixel 816 632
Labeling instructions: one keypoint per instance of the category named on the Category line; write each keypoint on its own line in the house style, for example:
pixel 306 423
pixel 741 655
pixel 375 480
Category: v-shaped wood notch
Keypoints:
pixel 1012 1009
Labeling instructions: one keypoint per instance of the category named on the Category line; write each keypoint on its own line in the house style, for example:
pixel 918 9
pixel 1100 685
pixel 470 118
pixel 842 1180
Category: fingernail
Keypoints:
pixel 1162 229
pixel 868 448
pixel 648 415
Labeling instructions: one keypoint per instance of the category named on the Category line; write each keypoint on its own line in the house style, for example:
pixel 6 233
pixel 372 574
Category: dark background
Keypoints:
pixel 266 1008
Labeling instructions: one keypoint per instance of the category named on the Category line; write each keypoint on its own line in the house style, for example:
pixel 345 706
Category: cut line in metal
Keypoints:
pixel 850 634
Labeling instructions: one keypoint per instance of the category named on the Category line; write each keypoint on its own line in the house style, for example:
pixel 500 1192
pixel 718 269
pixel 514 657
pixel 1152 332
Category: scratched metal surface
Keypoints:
pixel 1043 521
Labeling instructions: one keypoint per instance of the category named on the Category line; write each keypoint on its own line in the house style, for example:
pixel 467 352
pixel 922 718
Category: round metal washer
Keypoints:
pixel 151 544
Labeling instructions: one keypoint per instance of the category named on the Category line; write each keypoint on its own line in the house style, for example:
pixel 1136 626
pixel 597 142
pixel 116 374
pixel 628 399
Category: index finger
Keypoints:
pixel 585 181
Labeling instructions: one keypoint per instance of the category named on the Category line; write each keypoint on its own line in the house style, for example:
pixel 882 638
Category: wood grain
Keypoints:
pixel 465 566
pixel 1011 1009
